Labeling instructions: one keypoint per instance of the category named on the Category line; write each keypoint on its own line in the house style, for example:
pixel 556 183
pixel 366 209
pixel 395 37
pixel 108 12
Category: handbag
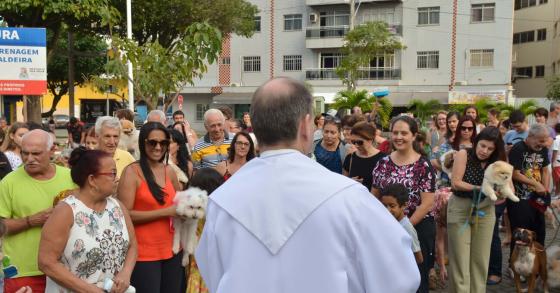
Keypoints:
pixel 540 201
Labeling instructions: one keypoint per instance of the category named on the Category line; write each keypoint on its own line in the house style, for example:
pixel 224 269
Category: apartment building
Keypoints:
pixel 536 46
pixel 451 47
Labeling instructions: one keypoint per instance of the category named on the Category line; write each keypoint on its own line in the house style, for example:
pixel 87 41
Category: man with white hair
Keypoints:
pixel 213 147
pixel 26 201
pixel 531 179
pixel 157 116
pixel 108 131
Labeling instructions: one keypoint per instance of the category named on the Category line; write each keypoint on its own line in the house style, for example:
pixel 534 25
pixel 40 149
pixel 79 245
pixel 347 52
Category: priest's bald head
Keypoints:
pixel 281 114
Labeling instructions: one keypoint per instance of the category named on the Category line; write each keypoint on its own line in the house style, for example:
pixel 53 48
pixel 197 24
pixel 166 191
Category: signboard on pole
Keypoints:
pixel 23 61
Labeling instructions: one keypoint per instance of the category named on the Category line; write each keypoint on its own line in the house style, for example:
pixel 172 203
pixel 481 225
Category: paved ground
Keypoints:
pixel 507 284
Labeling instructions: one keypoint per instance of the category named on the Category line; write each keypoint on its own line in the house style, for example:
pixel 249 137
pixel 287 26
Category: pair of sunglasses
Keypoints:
pixel 467 128
pixel 153 143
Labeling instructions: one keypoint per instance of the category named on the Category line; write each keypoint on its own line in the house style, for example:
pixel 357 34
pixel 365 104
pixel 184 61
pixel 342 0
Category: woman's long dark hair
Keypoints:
pixel 183 131
pixel 457 141
pixel 231 150
pixel 155 189
pixel 183 156
pixel 413 127
pixel 491 133
pixel 207 179
pixel 450 133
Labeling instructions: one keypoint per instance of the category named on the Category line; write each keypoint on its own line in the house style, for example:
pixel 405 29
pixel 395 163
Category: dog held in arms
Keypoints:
pixel 497 179
pixel 528 260
pixel 191 207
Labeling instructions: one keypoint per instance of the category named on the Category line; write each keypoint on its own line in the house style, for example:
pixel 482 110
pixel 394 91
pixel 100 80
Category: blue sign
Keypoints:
pixel 33 37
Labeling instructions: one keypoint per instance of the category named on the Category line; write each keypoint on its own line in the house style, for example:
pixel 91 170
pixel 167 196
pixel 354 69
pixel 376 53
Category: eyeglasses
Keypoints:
pixel 244 144
pixel 153 143
pixel 358 142
pixel 467 128
pixel 112 174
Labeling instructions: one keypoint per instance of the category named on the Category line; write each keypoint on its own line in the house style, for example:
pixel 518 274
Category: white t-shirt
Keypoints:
pixel 556 147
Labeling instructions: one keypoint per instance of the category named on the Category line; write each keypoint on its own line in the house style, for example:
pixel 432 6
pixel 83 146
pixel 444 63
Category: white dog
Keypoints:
pixel 129 138
pixel 497 177
pixel 191 207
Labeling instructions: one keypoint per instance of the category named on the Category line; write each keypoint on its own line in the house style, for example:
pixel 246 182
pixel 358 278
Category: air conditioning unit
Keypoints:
pixel 313 17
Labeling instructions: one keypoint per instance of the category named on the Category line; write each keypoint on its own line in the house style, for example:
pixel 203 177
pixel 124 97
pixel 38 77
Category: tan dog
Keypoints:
pixel 528 260
pixel 129 138
pixel 497 180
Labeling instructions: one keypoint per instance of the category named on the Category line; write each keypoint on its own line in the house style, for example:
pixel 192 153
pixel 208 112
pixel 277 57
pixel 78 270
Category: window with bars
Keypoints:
pixel 257 24
pixel 482 58
pixel 520 4
pixel 292 62
pixel 200 110
pixel 427 60
pixel 539 71
pixel 541 34
pixel 524 72
pixel 428 15
pixel 483 12
pixel 293 22
pixel 524 37
pixel 251 63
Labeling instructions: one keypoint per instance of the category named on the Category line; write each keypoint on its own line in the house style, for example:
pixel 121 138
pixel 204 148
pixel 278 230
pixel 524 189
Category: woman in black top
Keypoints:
pixel 359 165
pixel 470 215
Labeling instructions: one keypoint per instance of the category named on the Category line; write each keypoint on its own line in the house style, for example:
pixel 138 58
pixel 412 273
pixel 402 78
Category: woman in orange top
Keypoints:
pixel 147 188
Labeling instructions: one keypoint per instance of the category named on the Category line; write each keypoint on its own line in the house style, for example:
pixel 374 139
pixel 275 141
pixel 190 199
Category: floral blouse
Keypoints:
pixel 418 177
pixel 97 244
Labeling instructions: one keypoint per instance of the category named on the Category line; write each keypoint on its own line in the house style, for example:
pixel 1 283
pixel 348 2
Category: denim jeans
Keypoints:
pixel 495 265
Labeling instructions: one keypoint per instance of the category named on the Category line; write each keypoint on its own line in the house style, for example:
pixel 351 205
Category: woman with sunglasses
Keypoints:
pixel 330 151
pixel 89 237
pixel 359 165
pixel 147 189
pixel 241 151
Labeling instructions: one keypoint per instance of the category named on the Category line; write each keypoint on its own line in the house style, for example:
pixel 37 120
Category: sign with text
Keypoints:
pixel 456 97
pixel 23 61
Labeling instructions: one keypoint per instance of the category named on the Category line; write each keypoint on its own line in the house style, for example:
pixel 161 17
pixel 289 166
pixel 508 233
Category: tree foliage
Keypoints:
pixel 168 20
pixel 348 99
pixel 424 110
pixel 361 44
pixel 483 105
pixel 553 88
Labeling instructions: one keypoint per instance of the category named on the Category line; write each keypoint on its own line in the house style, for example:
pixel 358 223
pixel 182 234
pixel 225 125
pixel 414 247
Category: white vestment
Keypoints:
pixel 284 223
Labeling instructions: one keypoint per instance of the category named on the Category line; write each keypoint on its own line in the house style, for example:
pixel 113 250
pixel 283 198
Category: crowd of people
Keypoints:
pixel 298 203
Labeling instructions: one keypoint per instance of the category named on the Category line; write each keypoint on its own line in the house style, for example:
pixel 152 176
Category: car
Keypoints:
pixel 60 120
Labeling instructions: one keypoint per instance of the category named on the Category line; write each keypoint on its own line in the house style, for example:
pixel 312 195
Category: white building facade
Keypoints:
pixel 451 46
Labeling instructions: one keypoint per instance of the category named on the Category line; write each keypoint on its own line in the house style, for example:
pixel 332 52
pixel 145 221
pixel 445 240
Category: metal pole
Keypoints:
pixel 352 13
pixel 129 36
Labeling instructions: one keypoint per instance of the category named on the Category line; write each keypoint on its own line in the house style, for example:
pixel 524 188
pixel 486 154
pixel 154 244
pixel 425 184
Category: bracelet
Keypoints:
pixel 28 222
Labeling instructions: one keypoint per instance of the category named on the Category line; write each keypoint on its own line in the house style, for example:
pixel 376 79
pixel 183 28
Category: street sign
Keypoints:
pixel 23 61
pixel 180 102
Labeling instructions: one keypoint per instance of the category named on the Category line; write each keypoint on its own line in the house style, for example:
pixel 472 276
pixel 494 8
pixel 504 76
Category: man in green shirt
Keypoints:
pixel 26 200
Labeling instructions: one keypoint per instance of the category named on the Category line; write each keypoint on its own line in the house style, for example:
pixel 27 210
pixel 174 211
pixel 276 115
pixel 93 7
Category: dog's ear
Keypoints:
pixel 533 234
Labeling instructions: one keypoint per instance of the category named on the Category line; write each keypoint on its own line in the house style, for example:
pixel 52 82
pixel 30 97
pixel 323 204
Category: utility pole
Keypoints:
pixel 352 13
pixel 129 64
pixel 71 70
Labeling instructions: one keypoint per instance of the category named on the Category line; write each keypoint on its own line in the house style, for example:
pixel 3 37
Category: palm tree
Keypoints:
pixel 348 99
pixel 383 107
pixel 423 110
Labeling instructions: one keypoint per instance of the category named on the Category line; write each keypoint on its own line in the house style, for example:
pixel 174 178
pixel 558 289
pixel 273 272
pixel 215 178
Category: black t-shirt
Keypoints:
pixel 362 167
pixel 76 131
pixel 530 163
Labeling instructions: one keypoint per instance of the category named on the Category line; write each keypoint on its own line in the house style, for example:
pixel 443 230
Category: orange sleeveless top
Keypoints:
pixel 155 239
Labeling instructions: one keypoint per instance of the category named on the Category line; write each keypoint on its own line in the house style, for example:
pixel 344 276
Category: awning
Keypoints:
pixel 233 98
pixel 400 99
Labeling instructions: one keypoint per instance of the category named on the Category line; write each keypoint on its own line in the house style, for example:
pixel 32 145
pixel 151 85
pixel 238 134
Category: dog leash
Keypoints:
pixel 474 211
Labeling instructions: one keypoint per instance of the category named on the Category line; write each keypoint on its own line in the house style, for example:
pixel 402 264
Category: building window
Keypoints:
pixel 428 15
pixel 292 62
pixel 200 110
pixel 427 60
pixel 520 4
pixel 541 34
pixel 524 37
pixel 225 61
pixel 251 63
pixel 293 22
pixel 524 72
pixel 482 58
pixel 257 24
pixel 539 71
pixel 334 18
pixel 331 60
pixel 483 12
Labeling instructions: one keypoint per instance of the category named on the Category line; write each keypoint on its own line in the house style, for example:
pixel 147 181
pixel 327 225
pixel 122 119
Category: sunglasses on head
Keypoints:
pixel 467 128
pixel 153 143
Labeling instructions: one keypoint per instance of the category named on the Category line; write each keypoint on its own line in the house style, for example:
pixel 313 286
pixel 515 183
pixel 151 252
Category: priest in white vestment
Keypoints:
pixel 284 223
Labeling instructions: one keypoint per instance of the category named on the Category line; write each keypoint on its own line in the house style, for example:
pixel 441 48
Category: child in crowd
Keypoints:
pixel 395 197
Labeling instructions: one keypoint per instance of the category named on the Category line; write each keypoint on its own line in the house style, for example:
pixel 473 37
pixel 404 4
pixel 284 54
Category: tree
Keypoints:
pixel 361 44
pixel 423 110
pixel 90 60
pixel 553 88
pixel 383 108
pixel 348 99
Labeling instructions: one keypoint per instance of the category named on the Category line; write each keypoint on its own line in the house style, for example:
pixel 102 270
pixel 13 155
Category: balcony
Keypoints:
pixel 363 74
pixel 332 36
pixel 331 2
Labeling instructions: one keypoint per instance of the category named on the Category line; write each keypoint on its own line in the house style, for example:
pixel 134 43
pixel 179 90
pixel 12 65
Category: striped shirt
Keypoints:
pixel 206 154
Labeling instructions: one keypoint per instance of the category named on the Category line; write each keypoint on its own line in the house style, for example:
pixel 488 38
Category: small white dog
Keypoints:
pixel 553 264
pixel 497 177
pixel 191 207
pixel 129 138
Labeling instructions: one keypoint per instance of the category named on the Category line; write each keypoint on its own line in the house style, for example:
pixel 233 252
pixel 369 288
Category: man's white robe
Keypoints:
pixel 284 223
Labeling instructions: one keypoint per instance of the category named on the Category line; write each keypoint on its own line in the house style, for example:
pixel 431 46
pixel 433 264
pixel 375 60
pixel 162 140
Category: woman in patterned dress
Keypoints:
pixel 408 166
pixel 89 236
